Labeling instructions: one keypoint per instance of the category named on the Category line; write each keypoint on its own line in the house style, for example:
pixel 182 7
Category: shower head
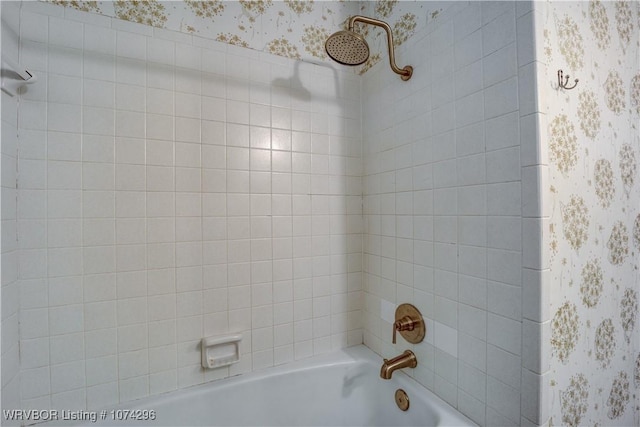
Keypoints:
pixel 347 48
pixel 350 48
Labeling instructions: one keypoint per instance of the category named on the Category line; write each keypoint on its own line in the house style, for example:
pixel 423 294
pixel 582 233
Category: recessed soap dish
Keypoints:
pixel 220 351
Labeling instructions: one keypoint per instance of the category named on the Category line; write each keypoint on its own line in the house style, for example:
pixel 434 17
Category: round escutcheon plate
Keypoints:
pixel 402 400
pixel 415 335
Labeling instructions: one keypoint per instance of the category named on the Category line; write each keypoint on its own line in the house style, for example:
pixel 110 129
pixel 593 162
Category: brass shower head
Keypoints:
pixel 350 48
pixel 347 48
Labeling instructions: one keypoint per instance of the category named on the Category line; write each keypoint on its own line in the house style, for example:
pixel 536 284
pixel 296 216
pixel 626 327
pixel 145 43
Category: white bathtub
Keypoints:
pixel 339 389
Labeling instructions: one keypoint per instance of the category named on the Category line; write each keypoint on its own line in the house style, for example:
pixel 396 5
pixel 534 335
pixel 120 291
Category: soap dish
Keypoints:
pixel 220 351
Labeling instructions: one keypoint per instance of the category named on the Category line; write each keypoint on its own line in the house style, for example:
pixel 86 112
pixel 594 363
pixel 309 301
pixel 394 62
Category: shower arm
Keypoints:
pixel 404 72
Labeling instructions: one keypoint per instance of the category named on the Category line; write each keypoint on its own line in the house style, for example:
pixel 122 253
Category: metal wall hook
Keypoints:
pixel 563 80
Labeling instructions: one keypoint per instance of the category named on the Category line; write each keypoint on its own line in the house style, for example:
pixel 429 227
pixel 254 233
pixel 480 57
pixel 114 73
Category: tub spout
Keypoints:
pixel 405 360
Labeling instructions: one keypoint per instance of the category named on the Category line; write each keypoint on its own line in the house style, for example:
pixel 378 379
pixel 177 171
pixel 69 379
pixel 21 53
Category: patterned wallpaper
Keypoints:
pixel 594 196
pixel 292 28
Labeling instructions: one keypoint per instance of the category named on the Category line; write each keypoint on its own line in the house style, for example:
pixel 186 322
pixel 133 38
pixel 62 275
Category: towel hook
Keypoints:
pixel 563 80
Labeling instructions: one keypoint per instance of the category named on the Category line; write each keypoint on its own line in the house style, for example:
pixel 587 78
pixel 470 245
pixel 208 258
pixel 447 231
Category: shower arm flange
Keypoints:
pixel 405 72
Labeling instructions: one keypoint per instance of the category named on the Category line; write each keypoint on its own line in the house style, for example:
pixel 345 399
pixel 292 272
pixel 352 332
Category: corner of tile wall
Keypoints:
pixel 9 283
pixel 535 177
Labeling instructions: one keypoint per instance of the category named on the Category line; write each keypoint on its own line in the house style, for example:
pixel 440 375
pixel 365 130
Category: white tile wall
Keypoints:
pixel 10 290
pixel 442 179
pixel 171 190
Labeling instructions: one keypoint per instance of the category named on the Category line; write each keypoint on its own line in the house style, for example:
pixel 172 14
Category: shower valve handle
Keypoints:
pixel 410 323
pixel 404 324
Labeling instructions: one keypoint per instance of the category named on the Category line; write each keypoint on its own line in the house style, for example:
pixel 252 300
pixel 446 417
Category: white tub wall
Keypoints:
pixel 10 296
pixel 142 231
pixel 443 191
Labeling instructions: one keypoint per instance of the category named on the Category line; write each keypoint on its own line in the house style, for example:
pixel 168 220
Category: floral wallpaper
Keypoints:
pixel 594 195
pixel 295 29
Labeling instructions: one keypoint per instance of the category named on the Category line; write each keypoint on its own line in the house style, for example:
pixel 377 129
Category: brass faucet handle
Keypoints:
pixel 404 324
pixel 409 323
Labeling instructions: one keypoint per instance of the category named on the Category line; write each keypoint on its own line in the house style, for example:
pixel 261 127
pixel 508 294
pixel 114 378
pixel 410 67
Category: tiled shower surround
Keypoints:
pixel 171 188
pixel 443 211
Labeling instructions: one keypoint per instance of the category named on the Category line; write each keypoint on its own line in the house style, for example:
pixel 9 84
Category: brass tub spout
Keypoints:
pixel 405 360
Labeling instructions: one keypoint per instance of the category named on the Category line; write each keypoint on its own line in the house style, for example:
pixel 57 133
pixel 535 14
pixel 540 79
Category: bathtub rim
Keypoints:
pixel 359 354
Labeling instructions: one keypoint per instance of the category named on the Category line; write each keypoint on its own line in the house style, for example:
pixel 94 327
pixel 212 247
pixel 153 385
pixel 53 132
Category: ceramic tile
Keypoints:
pixel 161 189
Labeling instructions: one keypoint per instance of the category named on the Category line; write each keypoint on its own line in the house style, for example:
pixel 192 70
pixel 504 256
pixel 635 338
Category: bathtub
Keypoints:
pixel 338 389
